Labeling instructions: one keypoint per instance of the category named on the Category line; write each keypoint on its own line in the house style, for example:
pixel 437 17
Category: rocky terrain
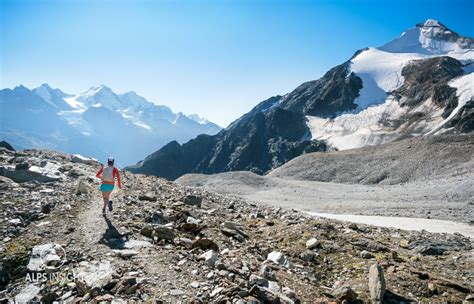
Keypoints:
pixel 165 243
pixel 425 177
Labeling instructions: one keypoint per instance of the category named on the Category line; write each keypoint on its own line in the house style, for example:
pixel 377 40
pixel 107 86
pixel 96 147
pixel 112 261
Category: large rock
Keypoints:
pixel 234 230
pixel 91 277
pixel 77 158
pixel 46 256
pixel 48 173
pixel 210 258
pixel 192 200
pixel 344 293
pixel 82 187
pixel 278 258
pixel 376 283
pixel 29 294
pixel 158 232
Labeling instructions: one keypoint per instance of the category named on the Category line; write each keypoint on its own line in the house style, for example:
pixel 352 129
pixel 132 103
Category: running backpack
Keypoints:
pixel 108 174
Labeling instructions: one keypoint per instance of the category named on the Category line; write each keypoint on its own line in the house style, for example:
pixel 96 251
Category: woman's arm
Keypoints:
pixel 117 173
pixel 99 173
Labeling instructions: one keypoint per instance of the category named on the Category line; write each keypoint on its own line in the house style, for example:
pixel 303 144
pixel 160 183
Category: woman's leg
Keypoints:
pixel 105 197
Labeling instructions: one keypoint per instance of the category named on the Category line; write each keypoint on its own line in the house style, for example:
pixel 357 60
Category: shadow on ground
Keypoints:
pixel 112 237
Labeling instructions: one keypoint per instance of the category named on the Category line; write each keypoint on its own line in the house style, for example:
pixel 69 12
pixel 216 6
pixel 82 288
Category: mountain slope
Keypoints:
pixel 418 84
pixel 96 123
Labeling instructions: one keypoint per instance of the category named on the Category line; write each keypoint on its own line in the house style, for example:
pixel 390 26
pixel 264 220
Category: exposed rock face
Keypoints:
pixel 429 79
pixel 257 142
pixel 334 93
pixel 339 110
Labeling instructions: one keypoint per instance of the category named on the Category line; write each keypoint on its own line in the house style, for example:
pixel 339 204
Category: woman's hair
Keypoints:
pixel 110 161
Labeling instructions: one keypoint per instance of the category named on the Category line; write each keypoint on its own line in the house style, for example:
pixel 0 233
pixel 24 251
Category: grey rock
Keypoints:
pixel 210 258
pixel 312 243
pixel 376 283
pixel 278 258
pixel 344 293
pixel 45 256
pixel 192 200
pixel 79 159
pixel 267 272
pixel 82 187
pixel 28 294
pixel 91 277
pixel 366 255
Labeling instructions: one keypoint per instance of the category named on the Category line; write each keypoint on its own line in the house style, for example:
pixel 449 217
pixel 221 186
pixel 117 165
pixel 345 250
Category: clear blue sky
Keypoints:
pixel 214 58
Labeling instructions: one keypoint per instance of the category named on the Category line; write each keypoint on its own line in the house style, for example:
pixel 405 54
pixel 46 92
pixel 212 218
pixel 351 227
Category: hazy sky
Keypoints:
pixel 214 58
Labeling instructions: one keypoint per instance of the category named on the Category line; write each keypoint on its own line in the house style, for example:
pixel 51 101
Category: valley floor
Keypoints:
pixel 445 199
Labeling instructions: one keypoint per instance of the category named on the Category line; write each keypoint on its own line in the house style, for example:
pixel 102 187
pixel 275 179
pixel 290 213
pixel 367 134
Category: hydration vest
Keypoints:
pixel 108 174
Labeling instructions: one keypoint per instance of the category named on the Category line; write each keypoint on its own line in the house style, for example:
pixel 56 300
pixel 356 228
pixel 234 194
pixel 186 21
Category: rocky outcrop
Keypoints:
pixel 334 93
pixel 257 142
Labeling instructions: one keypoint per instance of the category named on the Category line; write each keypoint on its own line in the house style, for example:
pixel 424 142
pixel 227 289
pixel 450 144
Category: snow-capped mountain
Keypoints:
pixel 418 84
pixel 95 123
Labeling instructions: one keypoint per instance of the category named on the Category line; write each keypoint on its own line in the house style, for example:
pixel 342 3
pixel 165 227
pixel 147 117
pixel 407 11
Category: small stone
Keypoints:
pixel 176 292
pixel 195 284
pixel 366 254
pixel 312 243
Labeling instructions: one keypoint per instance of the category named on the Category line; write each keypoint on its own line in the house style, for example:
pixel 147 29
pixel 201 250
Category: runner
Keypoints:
pixel 108 175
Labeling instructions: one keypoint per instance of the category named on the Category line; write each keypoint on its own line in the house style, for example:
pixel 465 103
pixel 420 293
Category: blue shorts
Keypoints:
pixel 106 187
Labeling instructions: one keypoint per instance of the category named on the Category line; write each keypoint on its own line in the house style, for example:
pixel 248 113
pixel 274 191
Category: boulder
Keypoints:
pixel 344 293
pixel 158 232
pixel 205 244
pixel 376 283
pixel 28 294
pixel 267 272
pixel 370 245
pixel 232 229
pixel 79 159
pixel 210 258
pixel 91 277
pixel 45 256
pixel 192 200
pixel 82 187
pixel 278 258
pixel 48 173
pixel 147 197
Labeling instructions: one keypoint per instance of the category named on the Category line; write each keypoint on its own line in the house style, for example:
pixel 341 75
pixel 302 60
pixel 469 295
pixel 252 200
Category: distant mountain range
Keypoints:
pixel 96 123
pixel 418 84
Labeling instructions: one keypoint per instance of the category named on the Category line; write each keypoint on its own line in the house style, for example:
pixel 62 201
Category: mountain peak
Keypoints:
pixel 430 37
pixel 431 23
pixel 46 86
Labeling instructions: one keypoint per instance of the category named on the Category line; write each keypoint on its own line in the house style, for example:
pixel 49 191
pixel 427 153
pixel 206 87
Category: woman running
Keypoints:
pixel 108 175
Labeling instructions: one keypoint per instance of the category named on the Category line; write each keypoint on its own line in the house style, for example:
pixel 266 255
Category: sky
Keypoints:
pixel 214 58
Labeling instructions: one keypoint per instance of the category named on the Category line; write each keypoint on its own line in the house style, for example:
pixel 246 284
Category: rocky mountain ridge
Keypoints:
pixel 418 84
pixel 167 243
